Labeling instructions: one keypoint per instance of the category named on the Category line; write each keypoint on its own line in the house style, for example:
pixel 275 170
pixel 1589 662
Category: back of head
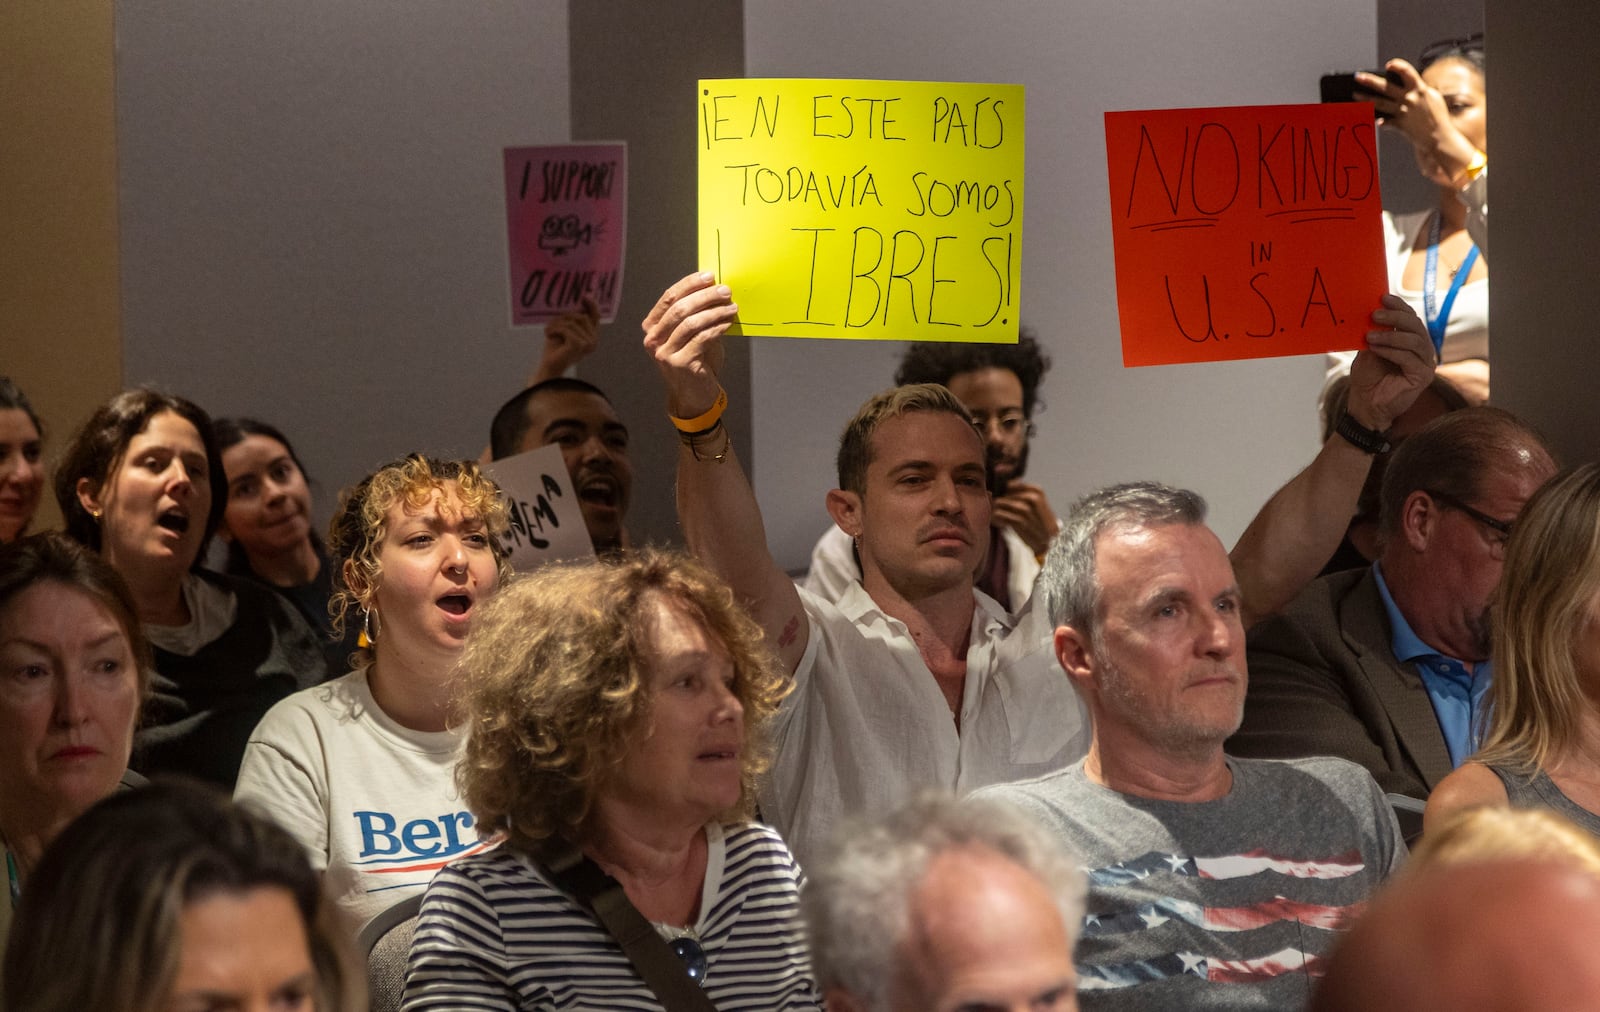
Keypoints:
pixel 555 684
pixel 1454 456
pixel 54 557
pixel 857 903
pixel 1542 611
pixel 97 449
pixel 98 924
pixel 1068 581
pixel 1493 833
pixel 510 425
pixel 1479 936
pixel 937 362
pixel 855 445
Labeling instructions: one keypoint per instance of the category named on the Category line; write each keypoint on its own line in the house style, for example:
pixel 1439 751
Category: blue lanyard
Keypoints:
pixel 16 887
pixel 1430 274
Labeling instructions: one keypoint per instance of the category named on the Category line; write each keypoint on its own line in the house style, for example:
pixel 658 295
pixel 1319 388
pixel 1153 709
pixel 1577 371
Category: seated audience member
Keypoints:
pixel 616 716
pixel 1214 882
pixel 267 527
pixel 911 680
pixel 1488 832
pixel 170 897
pixel 1542 744
pixel 594 445
pixel 1387 666
pixel 21 469
pixel 1287 544
pixel 142 484
pixel 1360 545
pixel 73 669
pixel 362 770
pixel 999 384
pixel 945 905
pixel 1483 935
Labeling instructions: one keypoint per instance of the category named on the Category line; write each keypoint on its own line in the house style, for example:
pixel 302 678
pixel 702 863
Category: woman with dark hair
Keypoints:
pixel 73 671
pixel 1541 745
pixel 1438 258
pixel 616 719
pixel 141 484
pixel 170 897
pixel 267 526
pixel 21 472
pixel 362 770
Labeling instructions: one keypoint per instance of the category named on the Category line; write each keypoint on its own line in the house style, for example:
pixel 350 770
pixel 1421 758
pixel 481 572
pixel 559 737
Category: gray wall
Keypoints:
pixel 1233 431
pixel 623 87
pixel 312 225
pixel 312 212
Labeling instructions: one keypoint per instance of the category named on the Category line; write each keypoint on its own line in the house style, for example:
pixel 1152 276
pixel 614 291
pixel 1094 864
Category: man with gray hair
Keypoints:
pixel 1387 665
pixel 1214 882
pixel 945 905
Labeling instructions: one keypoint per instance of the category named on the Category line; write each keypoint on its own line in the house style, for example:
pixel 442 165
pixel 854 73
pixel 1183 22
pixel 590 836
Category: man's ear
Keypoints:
pixel 1419 516
pixel 1075 654
pixel 845 508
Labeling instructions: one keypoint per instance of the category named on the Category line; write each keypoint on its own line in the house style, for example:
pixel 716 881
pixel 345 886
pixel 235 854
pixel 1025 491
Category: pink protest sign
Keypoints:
pixel 566 220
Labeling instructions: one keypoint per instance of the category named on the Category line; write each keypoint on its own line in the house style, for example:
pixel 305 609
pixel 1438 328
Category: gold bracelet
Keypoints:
pixel 703 423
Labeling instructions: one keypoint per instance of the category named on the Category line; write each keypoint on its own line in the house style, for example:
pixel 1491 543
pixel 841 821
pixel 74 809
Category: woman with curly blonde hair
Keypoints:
pixel 616 715
pixel 361 770
pixel 1542 744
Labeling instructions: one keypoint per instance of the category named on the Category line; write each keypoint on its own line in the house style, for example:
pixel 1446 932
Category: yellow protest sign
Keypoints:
pixel 882 210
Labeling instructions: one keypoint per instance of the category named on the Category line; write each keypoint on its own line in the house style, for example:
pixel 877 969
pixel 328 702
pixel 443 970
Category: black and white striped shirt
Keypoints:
pixel 494 934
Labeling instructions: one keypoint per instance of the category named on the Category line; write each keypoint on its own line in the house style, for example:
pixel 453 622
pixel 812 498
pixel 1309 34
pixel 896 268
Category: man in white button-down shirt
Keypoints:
pixel 912 679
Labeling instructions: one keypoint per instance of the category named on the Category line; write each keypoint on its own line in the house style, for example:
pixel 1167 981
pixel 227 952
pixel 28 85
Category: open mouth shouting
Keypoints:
pixel 598 488
pixel 174 520
pixel 457 604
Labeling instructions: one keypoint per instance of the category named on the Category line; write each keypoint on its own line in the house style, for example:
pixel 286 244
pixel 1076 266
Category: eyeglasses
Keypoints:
pixel 1500 527
pixel 1465 44
pixel 1009 422
pixel 688 950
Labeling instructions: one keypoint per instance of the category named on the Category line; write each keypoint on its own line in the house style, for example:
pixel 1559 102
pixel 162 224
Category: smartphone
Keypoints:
pixel 1343 87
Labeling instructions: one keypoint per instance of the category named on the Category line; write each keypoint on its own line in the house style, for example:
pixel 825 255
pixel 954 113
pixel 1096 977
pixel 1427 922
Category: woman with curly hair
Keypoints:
pixel 360 770
pixel 616 714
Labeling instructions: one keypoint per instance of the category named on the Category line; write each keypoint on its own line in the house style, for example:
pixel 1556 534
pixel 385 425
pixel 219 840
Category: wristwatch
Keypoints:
pixel 1359 436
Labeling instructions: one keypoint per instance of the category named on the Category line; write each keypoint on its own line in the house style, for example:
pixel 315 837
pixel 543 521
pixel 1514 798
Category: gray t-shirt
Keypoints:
pixel 1227 904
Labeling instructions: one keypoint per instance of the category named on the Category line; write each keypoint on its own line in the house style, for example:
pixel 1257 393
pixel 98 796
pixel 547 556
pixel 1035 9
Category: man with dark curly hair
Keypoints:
pixel 999 384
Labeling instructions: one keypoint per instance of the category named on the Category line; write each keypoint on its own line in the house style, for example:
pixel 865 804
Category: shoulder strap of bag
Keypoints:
pixel 579 877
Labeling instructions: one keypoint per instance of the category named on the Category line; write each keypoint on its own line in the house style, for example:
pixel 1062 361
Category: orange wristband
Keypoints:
pixel 703 423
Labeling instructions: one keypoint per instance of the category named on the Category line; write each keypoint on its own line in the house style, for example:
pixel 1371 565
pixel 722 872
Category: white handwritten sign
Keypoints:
pixel 546 521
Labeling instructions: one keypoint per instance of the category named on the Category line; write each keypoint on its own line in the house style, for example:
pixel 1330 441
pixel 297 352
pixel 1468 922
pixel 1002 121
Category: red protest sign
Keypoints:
pixel 1245 232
